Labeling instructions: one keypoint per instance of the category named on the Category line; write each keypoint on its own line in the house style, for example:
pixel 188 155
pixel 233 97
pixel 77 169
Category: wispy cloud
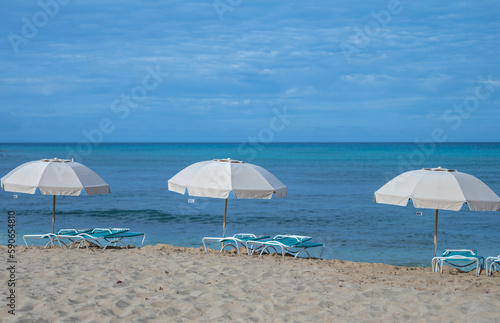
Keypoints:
pixel 369 79
pixel 262 56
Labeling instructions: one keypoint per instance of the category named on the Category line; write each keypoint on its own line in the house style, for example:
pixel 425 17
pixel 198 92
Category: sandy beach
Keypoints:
pixel 163 283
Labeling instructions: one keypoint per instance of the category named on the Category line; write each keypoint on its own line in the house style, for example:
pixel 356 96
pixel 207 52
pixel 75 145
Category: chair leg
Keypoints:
pixel 115 242
pixel 435 265
pixel 204 245
pixel 491 267
pixel 439 265
pixel 303 250
pixel 27 245
pixel 231 245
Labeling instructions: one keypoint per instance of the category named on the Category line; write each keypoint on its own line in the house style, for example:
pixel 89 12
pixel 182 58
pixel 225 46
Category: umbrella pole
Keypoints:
pixel 224 225
pixel 435 233
pixel 53 213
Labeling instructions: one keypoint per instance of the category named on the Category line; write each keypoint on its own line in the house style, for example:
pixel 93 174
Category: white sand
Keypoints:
pixel 170 284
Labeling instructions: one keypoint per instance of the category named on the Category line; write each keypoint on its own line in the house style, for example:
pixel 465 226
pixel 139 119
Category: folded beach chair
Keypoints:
pixel 491 263
pixel 59 237
pixel 234 242
pixel 288 244
pixel 107 237
pixel 458 258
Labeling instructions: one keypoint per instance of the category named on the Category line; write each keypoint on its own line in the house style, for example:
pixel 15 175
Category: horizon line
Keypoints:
pixel 250 143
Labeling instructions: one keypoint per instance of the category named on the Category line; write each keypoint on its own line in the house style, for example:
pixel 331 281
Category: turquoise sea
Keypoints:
pixel 330 196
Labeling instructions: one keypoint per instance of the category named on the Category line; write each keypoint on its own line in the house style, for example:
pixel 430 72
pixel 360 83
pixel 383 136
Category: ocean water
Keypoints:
pixel 330 196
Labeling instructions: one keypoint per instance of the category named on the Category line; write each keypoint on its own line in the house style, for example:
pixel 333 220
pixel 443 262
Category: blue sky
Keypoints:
pixel 241 70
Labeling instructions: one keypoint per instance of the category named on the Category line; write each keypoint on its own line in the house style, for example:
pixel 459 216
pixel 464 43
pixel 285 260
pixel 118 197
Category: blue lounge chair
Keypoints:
pixel 288 244
pixel 115 238
pixel 491 263
pixel 235 241
pixel 458 258
pixel 59 237
pixel 107 237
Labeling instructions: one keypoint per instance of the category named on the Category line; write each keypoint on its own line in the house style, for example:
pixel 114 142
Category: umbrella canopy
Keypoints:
pixel 440 189
pixel 217 178
pixel 54 177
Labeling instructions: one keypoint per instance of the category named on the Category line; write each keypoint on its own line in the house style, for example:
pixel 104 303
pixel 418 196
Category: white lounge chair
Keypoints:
pixel 288 244
pixel 101 237
pixel 59 237
pixel 235 241
pixel 107 236
pixel 491 263
pixel 458 258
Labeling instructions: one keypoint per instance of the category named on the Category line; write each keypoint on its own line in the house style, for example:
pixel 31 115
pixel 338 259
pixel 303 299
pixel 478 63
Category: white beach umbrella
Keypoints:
pixel 440 189
pixel 217 178
pixel 54 177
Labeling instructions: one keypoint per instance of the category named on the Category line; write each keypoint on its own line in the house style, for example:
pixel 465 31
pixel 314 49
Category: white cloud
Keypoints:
pixel 300 92
pixel 433 82
pixel 495 83
pixel 369 79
